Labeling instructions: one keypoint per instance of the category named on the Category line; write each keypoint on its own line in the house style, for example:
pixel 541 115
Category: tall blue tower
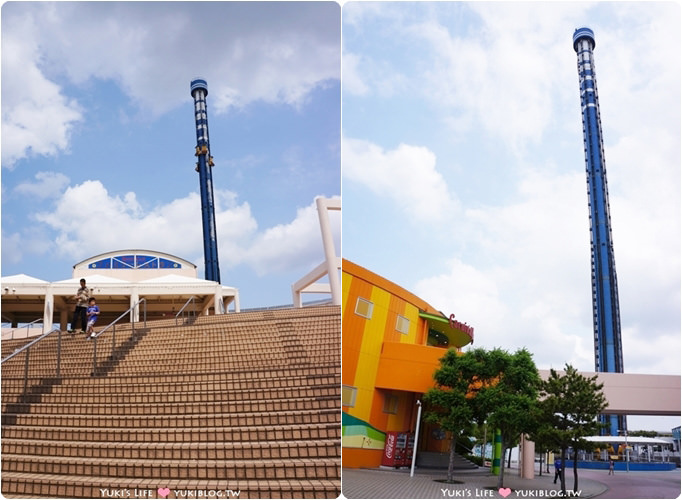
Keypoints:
pixel 608 351
pixel 199 91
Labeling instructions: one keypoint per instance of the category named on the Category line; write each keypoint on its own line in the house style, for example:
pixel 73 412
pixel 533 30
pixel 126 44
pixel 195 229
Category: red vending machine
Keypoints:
pixel 409 449
pixel 398 449
pixel 392 455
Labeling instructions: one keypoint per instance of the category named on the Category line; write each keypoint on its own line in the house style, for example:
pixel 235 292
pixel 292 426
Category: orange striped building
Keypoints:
pixel 392 344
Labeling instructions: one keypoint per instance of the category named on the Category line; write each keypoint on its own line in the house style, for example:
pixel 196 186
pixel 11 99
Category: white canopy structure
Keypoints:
pixel 117 280
pixel 629 439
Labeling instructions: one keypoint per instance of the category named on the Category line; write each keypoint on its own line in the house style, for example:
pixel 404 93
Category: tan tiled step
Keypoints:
pixel 186 421
pixel 221 337
pixel 205 434
pixel 180 408
pixel 321 468
pixel 105 367
pixel 244 374
pixel 191 396
pixel 211 357
pixel 142 386
pixel 76 351
pixel 176 451
pixel 58 486
pixel 226 389
pixel 75 348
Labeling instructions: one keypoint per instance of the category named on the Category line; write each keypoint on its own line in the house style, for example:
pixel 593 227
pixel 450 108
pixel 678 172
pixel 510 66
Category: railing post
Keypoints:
pixel 26 375
pixel 59 352
pixel 113 342
pixel 94 355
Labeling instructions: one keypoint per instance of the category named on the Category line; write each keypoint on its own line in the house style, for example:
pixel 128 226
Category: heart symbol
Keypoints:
pixel 163 492
pixel 505 492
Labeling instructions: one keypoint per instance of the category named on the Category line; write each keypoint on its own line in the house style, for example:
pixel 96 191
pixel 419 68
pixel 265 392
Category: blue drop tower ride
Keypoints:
pixel 199 91
pixel 608 350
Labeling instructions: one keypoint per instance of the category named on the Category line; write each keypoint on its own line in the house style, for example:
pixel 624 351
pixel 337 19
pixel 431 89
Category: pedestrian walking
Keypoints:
pixel 557 469
pixel 93 314
pixel 611 472
pixel 82 297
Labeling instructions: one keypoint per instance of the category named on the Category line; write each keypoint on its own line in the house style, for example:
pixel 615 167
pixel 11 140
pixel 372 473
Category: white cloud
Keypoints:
pixel 495 78
pixel 37 118
pixel 48 185
pixel 353 78
pixel 33 241
pixel 152 51
pixel 501 70
pixel 363 75
pixel 407 175
pixel 296 244
pixel 654 354
pixel 523 278
pixel 89 220
pixel 12 251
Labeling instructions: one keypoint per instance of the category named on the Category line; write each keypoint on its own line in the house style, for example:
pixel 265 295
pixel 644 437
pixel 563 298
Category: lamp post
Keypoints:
pixel 627 450
pixel 416 437
pixel 485 438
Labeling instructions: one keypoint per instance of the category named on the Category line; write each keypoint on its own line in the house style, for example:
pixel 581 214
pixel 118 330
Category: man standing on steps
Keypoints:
pixel 82 297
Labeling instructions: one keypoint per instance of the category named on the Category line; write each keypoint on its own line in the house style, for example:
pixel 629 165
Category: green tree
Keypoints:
pixel 480 385
pixel 510 403
pixel 650 434
pixel 542 438
pixel 569 409
pixel 450 404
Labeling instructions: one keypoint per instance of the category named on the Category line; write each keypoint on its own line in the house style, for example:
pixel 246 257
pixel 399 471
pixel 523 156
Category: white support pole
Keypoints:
pixel 218 304
pixel 296 295
pixel 323 205
pixel 416 437
pixel 135 313
pixel 48 310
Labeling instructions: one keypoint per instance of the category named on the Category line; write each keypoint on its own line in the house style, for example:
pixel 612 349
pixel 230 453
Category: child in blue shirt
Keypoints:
pixel 93 314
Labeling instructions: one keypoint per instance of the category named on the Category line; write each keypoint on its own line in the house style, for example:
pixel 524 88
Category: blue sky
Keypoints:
pixel 98 135
pixel 464 177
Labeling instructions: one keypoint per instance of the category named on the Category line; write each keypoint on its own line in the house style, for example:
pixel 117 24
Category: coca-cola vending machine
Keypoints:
pixel 409 450
pixel 398 449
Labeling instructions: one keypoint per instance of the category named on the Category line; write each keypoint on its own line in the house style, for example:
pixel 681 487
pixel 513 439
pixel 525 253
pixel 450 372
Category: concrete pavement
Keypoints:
pixel 476 484
pixel 636 484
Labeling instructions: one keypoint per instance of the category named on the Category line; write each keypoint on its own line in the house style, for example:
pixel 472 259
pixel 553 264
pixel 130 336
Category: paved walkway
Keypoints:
pixel 477 484
pixel 636 484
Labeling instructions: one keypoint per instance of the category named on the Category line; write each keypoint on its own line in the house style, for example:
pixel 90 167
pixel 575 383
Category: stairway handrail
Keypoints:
pixel 30 344
pixel 112 325
pixel 191 299
pixel 25 326
pixel 95 335
pixel 27 348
